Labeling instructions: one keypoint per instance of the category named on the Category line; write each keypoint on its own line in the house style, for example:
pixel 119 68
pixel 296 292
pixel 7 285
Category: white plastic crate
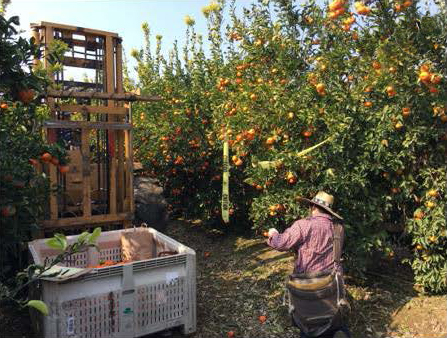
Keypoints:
pixel 129 300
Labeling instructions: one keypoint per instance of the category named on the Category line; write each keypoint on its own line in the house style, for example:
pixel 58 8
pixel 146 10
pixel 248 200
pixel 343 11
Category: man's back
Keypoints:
pixel 311 239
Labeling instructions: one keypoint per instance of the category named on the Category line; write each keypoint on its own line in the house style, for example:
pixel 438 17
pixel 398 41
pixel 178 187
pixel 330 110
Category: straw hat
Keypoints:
pixel 323 200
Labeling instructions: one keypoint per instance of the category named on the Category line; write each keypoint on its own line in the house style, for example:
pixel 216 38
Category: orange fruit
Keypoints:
pixel 238 163
pixel 368 104
pixel 206 254
pixel 46 157
pixel 239 80
pixel 270 140
pixel 395 190
pixel 407 3
pixel 230 334
pixel 265 233
pixel 376 65
pixel 307 133
pixel 332 15
pixel 398 7
pixel 333 6
pixel 262 319
pixel 4 105
pixel 392 70
pixel 8 210
pixel 435 79
pixel 26 95
pixel 433 90
pixel 432 193
pixel 340 11
pixel 253 97
pixel 63 169
pixel 406 112
pixel 430 204
pixel 320 87
pixel 425 68
pixel 424 76
pixel 418 215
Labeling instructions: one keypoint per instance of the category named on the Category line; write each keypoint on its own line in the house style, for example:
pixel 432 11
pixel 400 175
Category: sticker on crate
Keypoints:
pixel 70 326
pixel 171 277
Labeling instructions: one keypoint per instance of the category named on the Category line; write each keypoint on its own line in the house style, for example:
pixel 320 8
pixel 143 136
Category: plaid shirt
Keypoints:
pixel 311 239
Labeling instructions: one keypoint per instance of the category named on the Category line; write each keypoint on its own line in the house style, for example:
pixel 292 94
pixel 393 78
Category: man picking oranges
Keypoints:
pixel 316 285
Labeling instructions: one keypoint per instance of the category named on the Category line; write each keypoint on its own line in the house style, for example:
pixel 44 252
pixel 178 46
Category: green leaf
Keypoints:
pixel 54 243
pixel 82 237
pixel 39 306
pixel 94 236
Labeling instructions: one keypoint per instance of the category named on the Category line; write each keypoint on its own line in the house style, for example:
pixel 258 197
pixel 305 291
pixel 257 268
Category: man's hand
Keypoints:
pixel 272 231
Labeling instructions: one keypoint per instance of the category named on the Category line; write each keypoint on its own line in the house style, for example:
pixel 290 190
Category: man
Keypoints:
pixel 316 286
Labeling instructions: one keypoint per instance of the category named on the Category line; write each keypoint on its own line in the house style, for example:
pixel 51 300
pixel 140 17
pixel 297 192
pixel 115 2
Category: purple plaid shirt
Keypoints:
pixel 311 239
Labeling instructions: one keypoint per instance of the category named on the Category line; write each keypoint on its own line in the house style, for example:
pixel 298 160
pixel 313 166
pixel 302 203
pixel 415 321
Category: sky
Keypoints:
pixel 165 17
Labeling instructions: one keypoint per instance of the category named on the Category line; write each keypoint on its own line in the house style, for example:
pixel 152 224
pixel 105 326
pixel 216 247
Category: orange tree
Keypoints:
pixel 23 193
pixel 367 77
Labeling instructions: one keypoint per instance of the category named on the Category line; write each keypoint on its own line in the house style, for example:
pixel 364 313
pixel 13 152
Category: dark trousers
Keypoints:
pixel 329 334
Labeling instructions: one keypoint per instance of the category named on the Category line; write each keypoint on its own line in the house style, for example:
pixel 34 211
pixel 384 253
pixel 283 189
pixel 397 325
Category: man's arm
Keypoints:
pixel 287 240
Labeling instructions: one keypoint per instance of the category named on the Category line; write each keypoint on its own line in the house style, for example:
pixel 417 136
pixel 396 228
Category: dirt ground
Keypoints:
pixel 241 279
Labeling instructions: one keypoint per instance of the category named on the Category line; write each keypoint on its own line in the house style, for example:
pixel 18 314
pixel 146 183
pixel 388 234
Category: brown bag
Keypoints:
pixel 137 245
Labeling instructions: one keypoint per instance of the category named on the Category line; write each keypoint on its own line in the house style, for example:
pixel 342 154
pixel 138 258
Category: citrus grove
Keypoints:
pixel 278 78
pixel 23 192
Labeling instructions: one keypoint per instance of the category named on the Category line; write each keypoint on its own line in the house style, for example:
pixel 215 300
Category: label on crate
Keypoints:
pixel 70 326
pixel 171 277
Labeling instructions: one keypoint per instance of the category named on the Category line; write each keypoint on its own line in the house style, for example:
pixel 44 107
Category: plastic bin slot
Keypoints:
pixel 160 303
pixel 93 317
pixel 113 254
